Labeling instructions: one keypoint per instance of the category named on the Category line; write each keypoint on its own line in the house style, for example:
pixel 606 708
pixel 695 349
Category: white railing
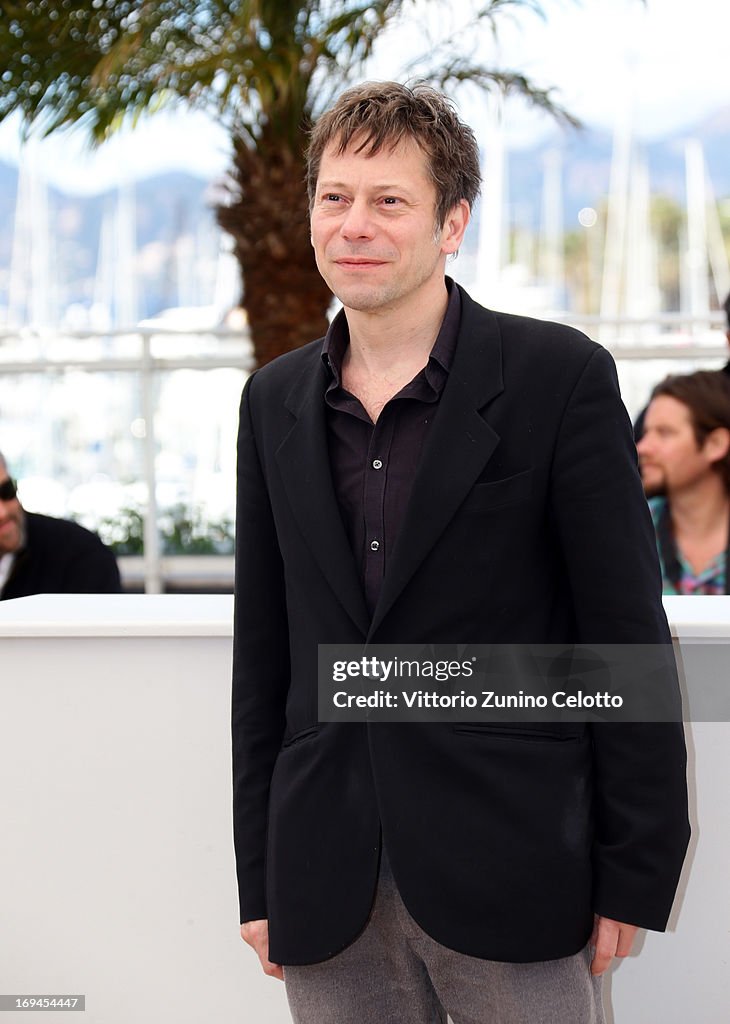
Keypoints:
pixel 143 352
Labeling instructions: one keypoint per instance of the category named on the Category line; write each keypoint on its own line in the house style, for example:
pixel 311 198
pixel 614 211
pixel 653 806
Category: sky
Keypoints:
pixel 666 60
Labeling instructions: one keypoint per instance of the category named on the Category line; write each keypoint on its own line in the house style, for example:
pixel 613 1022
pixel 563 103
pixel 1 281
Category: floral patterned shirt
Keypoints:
pixel 711 580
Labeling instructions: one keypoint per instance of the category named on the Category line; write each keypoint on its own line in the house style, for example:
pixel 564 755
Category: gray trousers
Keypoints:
pixel 394 973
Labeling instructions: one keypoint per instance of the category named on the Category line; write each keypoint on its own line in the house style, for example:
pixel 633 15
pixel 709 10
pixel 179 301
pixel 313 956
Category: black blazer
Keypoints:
pixel 61 557
pixel 527 523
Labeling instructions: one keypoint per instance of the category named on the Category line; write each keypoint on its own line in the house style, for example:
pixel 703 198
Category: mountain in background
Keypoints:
pixel 168 207
pixel 587 165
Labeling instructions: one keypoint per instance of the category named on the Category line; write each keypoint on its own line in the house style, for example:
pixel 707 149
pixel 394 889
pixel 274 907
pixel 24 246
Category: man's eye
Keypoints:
pixel 332 197
pixel 390 200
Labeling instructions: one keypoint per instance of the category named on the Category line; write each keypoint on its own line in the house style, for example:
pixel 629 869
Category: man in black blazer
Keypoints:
pixel 43 555
pixel 435 472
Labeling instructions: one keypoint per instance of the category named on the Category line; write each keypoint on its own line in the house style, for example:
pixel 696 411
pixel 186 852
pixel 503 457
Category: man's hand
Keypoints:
pixel 610 938
pixel 256 934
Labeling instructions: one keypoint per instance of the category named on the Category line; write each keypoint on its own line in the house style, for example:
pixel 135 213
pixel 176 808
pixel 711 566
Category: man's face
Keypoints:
pixel 11 520
pixel 374 228
pixel 669 457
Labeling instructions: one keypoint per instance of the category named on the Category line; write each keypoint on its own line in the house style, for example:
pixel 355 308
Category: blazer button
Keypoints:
pixel 377 464
pixel 374 545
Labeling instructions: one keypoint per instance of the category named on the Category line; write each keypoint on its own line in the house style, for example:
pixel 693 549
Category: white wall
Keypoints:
pixel 116 858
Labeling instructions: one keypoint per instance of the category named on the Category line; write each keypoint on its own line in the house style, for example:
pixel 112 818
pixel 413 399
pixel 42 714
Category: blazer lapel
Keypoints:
pixel 458 446
pixel 303 459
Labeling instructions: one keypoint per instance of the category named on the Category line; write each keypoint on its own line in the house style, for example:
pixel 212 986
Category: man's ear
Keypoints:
pixel 452 233
pixel 717 444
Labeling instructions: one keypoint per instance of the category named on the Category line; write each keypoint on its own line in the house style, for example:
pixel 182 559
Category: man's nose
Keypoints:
pixel 358 221
pixel 644 444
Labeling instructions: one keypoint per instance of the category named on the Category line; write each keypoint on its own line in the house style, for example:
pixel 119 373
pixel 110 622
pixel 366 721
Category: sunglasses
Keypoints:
pixel 8 490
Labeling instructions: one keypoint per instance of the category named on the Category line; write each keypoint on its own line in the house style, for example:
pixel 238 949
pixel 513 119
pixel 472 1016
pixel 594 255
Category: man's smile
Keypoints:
pixel 358 263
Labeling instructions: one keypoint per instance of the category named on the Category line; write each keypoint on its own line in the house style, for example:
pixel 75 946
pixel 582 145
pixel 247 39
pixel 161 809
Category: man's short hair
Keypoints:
pixel 707 396
pixel 382 114
pixel 726 307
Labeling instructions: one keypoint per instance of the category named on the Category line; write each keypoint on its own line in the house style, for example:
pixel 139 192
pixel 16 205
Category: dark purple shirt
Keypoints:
pixel 374 464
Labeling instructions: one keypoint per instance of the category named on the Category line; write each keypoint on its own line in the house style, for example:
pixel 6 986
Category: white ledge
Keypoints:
pixel 701 617
pixel 118 615
pixel 691 618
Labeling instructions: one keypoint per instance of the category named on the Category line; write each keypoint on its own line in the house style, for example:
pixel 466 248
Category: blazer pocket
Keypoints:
pixel 540 732
pixel 496 493
pixel 299 737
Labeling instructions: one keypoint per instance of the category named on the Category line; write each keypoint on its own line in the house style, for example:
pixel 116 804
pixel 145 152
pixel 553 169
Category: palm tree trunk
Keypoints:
pixel 267 214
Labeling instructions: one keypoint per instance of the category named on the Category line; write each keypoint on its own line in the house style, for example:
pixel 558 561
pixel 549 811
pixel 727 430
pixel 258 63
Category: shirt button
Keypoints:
pixel 374 545
pixel 377 464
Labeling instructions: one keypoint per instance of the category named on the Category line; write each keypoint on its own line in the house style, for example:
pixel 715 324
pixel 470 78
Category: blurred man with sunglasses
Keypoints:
pixel 41 555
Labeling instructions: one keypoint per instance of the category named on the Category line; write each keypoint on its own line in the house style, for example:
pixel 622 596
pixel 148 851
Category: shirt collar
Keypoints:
pixel 338 338
pixel 6 565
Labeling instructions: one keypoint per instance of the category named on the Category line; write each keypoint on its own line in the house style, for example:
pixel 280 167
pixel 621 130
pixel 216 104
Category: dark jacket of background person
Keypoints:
pixel 527 523
pixel 61 557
